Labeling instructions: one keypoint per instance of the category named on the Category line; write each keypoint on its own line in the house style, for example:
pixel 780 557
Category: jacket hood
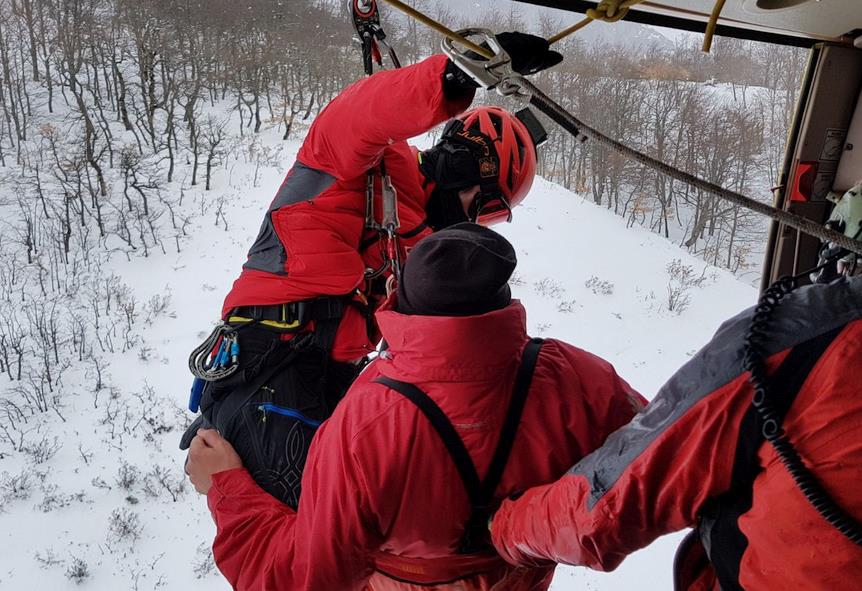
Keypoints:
pixel 451 348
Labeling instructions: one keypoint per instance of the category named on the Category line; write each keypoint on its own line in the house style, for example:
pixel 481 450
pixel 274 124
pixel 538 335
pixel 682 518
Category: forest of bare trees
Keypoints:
pixel 112 110
pixel 722 117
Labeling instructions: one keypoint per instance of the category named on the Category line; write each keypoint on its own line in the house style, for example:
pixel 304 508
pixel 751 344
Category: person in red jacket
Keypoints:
pixel 388 500
pixel 299 320
pixel 725 449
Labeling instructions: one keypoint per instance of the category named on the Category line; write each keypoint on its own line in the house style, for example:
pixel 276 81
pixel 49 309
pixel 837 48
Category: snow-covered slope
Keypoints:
pixel 583 276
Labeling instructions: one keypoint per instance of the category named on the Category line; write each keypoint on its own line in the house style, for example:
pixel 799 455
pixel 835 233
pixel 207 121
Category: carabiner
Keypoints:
pixel 493 73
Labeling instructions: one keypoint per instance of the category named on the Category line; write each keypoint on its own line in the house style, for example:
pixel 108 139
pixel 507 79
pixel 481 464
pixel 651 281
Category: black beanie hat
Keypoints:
pixel 462 270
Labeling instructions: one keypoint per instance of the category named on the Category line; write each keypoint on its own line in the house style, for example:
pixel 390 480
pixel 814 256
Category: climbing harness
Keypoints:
pixel 770 417
pixel 217 357
pixel 366 21
pixel 480 491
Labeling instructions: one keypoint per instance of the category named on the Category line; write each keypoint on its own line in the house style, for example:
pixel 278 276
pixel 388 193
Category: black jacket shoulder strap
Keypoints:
pixel 479 491
pixel 719 528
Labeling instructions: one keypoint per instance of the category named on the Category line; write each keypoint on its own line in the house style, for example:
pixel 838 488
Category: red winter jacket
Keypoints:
pixel 310 243
pixel 665 470
pixel 379 487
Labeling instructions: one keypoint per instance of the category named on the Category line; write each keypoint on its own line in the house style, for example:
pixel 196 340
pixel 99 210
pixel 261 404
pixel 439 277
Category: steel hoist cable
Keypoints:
pixel 497 73
pixel 578 128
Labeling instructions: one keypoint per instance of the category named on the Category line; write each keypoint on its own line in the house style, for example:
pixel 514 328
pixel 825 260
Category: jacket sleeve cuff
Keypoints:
pixel 231 483
pixel 455 98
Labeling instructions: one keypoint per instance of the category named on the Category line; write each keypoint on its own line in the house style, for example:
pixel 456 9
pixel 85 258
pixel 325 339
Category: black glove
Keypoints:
pixel 529 54
pixel 450 166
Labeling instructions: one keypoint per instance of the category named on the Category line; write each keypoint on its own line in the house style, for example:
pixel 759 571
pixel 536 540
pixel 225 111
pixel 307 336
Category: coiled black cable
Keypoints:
pixel 754 363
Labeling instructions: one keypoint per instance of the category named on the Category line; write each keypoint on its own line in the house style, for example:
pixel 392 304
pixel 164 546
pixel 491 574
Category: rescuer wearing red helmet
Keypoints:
pixel 299 319
pixel 488 157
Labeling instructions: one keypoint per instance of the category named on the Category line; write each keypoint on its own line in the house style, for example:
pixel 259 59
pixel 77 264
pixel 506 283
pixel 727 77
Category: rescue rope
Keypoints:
pixel 440 28
pixel 609 11
pixel 710 26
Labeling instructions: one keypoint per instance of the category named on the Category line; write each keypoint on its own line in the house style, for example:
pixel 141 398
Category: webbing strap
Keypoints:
pixel 513 418
pixel 454 444
pixel 480 492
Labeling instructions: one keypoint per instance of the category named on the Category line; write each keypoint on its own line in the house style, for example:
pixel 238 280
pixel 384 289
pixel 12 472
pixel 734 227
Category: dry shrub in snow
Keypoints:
pixel 124 526
pixel 77 571
pixel 42 450
pixel 160 480
pixel 203 563
pixel 566 307
pixel 548 288
pixel 15 487
pixel 127 475
pixel 599 286
pixel 681 279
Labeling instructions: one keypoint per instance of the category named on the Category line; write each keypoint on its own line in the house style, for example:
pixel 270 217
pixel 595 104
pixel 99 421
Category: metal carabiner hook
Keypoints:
pixel 494 73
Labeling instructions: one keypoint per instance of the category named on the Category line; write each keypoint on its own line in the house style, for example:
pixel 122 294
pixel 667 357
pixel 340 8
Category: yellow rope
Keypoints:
pixel 566 32
pixel 710 26
pixel 609 11
pixel 443 30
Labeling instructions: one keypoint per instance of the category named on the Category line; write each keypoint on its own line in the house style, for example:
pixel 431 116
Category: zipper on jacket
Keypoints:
pixel 287 412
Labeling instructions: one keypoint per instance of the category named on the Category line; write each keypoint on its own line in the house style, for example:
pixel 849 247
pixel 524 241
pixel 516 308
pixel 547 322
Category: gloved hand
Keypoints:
pixel 450 166
pixel 529 54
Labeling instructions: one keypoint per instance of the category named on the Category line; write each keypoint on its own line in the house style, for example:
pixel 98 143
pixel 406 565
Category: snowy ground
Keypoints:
pixel 583 276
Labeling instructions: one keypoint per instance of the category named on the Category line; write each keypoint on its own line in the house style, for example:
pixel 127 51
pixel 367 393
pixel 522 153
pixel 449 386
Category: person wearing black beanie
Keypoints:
pixel 298 322
pixel 462 410
pixel 462 270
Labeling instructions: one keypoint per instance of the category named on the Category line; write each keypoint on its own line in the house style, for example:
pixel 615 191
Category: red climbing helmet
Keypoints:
pixel 510 165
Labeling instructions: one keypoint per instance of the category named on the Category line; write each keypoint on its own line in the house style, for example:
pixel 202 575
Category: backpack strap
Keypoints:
pixel 479 491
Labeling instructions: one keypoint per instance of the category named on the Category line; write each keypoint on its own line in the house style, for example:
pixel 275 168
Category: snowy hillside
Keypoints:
pixel 101 501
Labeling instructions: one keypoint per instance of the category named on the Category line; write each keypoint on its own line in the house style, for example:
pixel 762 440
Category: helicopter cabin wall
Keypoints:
pixel 850 167
pixel 817 151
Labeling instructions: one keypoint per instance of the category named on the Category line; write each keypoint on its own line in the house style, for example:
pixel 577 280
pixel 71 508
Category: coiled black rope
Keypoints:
pixel 754 363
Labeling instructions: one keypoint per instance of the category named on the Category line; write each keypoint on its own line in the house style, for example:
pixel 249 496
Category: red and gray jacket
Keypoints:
pixel 380 490
pixel 679 464
pixel 311 241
